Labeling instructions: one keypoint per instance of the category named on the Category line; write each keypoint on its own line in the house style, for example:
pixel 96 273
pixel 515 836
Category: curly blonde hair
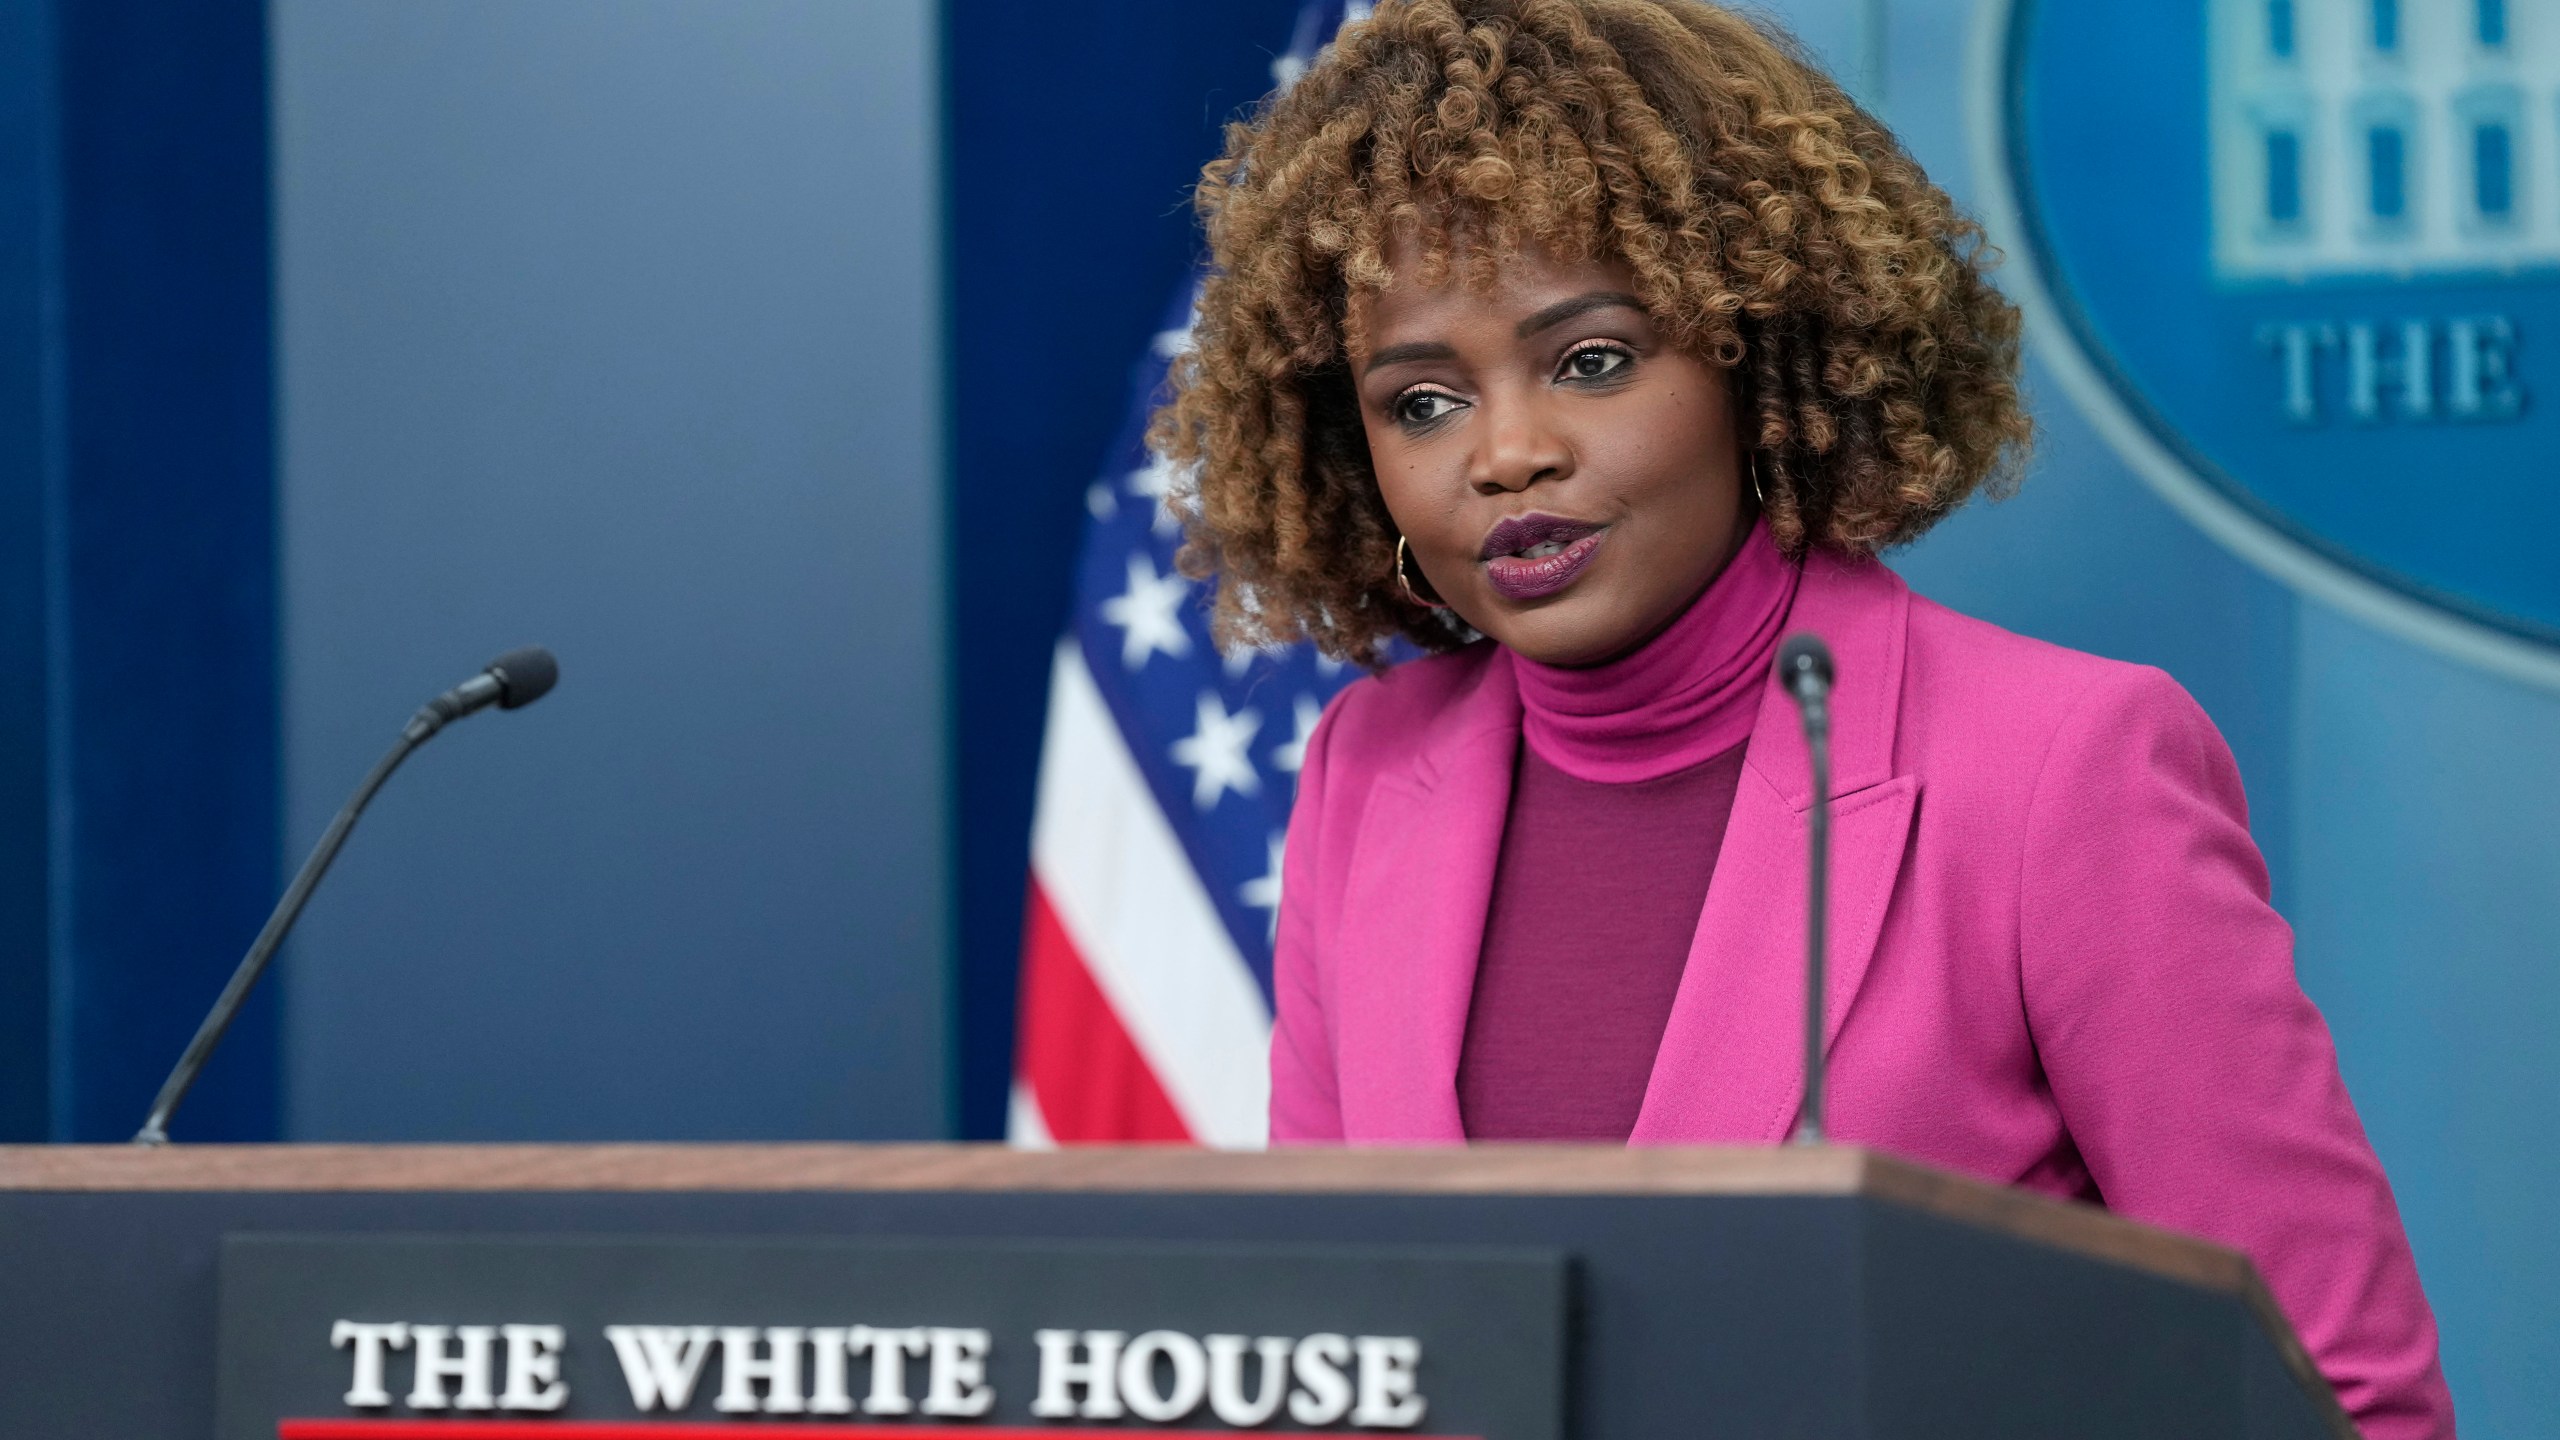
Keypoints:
pixel 1772 227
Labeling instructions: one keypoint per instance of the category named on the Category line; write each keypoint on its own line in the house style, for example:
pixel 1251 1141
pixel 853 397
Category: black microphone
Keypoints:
pixel 1804 672
pixel 513 680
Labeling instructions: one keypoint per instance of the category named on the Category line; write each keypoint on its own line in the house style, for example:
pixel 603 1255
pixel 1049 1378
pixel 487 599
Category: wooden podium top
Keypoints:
pixel 1839 1170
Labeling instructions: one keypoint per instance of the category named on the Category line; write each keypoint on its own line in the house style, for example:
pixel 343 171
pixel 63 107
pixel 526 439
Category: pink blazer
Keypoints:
pixel 2053 960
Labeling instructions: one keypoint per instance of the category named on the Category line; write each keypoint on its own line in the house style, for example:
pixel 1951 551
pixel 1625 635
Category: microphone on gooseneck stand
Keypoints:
pixel 1804 672
pixel 513 680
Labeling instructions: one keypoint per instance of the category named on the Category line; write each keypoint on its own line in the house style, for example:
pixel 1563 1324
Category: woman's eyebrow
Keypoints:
pixel 1411 350
pixel 1564 310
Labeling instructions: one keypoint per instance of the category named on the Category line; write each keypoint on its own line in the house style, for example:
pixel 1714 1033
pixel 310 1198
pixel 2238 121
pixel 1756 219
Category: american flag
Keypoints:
pixel 1166 777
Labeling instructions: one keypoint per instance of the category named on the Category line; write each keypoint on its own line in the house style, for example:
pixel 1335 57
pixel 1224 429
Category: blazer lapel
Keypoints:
pixel 1731 1063
pixel 1413 916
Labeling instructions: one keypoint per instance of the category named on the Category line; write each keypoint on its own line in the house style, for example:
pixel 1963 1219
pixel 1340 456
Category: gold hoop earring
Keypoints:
pixel 1406 582
pixel 1759 490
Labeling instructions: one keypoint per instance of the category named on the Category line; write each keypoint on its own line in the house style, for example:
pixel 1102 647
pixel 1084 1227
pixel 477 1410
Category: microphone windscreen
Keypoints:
pixel 524 676
pixel 1803 657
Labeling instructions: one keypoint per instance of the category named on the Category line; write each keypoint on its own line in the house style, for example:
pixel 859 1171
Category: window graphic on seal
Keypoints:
pixel 2433 138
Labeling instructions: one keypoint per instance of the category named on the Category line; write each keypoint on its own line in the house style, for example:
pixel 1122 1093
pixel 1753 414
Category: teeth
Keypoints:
pixel 1541 552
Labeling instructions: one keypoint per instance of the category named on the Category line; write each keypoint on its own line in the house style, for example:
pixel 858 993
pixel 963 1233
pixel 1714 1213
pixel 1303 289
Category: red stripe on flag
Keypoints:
pixel 1092 1084
pixel 696 1430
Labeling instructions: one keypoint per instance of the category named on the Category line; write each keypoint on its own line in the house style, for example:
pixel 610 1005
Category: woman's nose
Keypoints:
pixel 1521 446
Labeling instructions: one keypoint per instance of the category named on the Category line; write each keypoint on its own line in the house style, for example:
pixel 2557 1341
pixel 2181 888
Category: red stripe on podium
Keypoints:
pixel 1093 1084
pixel 723 1431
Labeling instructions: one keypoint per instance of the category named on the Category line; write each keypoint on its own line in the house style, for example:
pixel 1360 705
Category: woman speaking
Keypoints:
pixel 1591 346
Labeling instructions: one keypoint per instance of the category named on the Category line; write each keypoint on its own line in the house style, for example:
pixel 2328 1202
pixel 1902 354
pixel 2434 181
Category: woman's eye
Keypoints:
pixel 1594 361
pixel 1424 406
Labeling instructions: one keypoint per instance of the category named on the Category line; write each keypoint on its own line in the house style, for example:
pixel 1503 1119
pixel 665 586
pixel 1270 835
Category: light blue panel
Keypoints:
pixel 1927 44
pixel 2429 932
pixel 1833 32
pixel 611 325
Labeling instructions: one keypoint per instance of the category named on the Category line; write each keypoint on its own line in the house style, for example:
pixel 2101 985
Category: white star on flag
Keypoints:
pixel 1292 757
pixel 1264 894
pixel 1154 480
pixel 1215 752
pixel 1149 613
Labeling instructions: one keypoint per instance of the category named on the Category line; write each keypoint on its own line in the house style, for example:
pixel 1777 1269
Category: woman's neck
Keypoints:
pixel 1688 694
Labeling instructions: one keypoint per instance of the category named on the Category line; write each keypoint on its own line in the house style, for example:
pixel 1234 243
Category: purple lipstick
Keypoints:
pixel 1529 557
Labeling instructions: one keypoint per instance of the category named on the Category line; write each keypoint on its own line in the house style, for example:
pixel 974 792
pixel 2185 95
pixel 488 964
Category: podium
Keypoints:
pixel 1492 1291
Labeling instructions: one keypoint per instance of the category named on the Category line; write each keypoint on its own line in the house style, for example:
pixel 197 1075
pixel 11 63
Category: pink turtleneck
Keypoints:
pixel 1618 807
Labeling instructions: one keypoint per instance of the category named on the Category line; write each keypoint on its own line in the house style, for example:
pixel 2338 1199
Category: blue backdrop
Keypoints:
pixel 138 718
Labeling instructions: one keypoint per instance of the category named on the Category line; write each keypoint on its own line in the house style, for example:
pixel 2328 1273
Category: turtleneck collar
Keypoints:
pixel 1685 696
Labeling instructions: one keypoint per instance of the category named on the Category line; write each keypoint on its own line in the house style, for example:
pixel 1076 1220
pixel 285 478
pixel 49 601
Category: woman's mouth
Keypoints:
pixel 1529 557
